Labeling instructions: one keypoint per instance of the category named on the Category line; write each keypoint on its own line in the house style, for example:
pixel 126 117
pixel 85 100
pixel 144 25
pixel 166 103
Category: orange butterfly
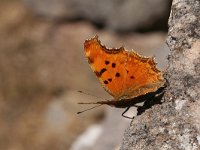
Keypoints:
pixel 124 74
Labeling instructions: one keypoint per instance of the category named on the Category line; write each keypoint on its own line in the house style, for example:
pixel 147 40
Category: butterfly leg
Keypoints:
pixel 125 112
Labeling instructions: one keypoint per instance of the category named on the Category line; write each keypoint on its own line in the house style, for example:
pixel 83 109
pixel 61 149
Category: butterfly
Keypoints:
pixel 125 75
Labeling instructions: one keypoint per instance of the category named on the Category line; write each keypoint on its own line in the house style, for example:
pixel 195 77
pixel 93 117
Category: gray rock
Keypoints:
pixel 175 124
pixel 114 14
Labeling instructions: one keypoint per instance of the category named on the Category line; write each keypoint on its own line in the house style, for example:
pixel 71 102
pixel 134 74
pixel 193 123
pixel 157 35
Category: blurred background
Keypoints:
pixel 42 66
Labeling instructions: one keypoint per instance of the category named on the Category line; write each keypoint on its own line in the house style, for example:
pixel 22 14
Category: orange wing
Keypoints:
pixel 123 74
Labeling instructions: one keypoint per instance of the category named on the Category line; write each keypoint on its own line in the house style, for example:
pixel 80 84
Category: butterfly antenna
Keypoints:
pixel 92 95
pixel 89 109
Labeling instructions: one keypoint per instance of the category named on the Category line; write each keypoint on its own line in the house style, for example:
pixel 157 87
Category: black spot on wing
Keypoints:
pixel 102 71
pixel 107 62
pixel 109 79
pixel 113 65
pixel 99 74
pixel 132 77
pixel 106 82
pixel 117 74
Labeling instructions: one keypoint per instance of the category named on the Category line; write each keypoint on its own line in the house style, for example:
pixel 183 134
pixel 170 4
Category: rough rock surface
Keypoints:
pixel 175 124
pixel 114 14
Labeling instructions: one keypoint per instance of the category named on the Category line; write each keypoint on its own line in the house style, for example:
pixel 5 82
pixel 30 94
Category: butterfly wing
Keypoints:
pixel 123 74
pixel 106 65
pixel 142 77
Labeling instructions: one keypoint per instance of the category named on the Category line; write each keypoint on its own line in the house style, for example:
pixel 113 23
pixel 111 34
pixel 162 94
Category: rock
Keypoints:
pixel 115 15
pixel 175 123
